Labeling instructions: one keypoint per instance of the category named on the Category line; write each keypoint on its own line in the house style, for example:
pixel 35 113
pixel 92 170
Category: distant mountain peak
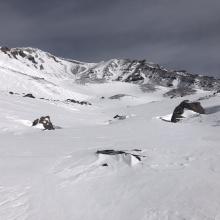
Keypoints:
pixel 37 63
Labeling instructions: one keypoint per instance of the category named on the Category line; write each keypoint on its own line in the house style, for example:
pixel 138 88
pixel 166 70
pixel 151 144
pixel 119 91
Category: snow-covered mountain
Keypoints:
pixel 41 68
pixel 112 152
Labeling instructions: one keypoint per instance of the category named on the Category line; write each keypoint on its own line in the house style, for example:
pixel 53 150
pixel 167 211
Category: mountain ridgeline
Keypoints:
pixel 149 76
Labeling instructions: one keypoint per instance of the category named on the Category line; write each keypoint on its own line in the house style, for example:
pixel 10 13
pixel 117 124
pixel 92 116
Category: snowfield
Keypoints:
pixel 57 175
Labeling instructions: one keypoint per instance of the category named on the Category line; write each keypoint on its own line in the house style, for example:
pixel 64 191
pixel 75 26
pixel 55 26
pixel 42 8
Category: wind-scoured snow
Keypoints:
pixel 57 174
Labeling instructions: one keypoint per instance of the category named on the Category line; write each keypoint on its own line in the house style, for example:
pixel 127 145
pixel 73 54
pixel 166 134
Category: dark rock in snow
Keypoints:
pixel 216 92
pixel 29 95
pixel 179 110
pixel 119 152
pixel 110 152
pixel 72 100
pixel 5 49
pixel 84 103
pixel 13 93
pixel 120 117
pixel 79 102
pixel 22 54
pixel 32 59
pixel 45 121
pixel 118 96
pixel 14 54
pixel 104 164
pixel 41 67
pixel 138 150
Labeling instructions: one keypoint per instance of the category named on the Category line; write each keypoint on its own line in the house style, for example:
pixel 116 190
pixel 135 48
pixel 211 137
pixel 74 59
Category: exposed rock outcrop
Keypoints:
pixel 79 102
pixel 5 49
pixel 120 117
pixel 118 96
pixel 129 157
pixel 16 52
pixel 179 110
pixel 45 121
pixel 29 95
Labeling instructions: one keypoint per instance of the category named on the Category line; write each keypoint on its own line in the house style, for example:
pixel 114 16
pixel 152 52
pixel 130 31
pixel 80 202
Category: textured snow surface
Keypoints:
pixel 57 175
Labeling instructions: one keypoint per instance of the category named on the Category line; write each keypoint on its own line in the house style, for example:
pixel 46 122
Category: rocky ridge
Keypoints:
pixel 148 75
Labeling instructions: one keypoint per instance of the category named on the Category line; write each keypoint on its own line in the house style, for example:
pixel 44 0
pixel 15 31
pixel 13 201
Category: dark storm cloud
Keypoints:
pixel 175 33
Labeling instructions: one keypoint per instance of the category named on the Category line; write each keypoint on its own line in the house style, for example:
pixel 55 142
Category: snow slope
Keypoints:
pixel 58 175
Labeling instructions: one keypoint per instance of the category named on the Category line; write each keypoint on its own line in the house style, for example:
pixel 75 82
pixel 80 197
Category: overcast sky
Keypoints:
pixel 179 34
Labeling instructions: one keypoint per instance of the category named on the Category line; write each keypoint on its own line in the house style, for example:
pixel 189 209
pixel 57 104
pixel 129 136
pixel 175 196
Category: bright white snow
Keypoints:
pixel 56 175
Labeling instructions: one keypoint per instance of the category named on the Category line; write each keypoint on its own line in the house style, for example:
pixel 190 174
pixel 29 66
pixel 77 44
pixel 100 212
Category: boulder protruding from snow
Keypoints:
pixel 179 110
pixel 120 117
pixel 45 122
pixel 129 157
pixel 29 95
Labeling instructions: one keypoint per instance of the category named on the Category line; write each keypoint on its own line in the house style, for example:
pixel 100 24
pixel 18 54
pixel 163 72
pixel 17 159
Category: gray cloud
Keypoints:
pixel 175 33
